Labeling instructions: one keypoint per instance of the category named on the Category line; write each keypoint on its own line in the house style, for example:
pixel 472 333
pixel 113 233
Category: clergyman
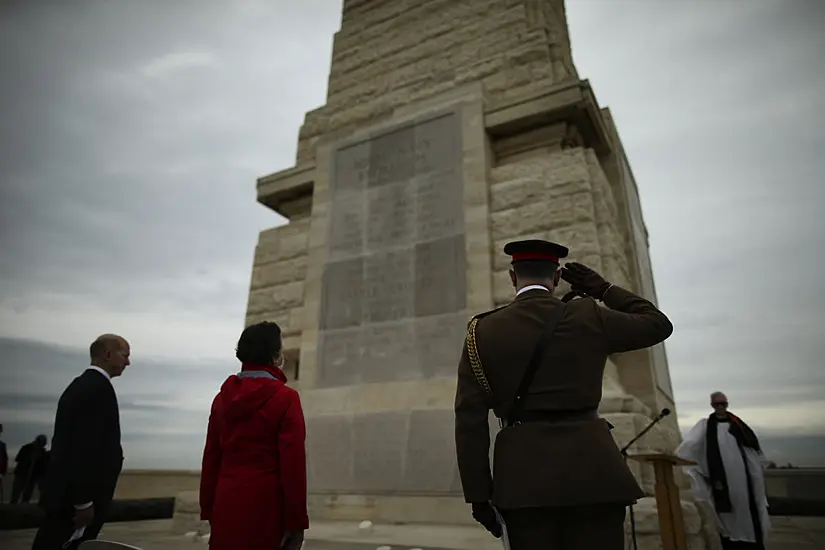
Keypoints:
pixel 729 475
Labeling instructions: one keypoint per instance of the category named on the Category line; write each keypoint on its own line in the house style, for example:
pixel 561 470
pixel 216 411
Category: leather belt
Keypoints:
pixel 550 417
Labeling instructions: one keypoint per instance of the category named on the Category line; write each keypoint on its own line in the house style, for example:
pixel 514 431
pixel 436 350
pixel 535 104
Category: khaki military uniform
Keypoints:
pixel 559 478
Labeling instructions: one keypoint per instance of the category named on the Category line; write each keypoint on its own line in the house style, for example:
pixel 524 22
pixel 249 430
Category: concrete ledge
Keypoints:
pixel 29 516
pixel 803 484
pixel 142 484
pixel 187 512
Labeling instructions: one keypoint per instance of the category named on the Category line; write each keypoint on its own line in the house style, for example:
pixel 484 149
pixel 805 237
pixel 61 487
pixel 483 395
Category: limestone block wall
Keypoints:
pixel 277 286
pixel 389 54
pixel 562 196
pixel 609 226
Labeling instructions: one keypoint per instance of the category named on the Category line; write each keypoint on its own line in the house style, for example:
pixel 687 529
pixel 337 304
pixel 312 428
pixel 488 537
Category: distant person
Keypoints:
pixel 4 466
pixel 39 473
pixel 560 481
pixel 730 475
pixel 86 456
pixel 29 461
pixel 253 478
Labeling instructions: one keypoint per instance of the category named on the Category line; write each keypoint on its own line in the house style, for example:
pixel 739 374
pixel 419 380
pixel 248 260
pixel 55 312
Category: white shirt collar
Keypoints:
pixel 532 287
pixel 101 371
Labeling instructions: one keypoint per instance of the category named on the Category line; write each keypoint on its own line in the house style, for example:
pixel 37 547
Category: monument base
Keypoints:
pixel 391 509
pixel 445 512
pixel 379 509
pixel 648 534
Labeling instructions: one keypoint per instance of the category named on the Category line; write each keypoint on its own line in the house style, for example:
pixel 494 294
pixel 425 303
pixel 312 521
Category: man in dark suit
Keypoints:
pixel 559 479
pixel 4 466
pixel 86 455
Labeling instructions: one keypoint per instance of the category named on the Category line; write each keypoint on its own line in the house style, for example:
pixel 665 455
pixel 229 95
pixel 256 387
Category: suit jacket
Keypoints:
pixel 4 459
pixel 86 456
pixel 563 463
pixel 26 458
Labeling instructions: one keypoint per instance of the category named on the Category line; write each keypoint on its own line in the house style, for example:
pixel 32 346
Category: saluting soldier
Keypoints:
pixel 559 480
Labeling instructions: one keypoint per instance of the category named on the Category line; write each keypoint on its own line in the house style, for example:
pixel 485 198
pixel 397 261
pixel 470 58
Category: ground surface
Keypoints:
pixel 797 533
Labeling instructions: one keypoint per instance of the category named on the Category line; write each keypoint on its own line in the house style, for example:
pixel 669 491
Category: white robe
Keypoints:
pixel 736 525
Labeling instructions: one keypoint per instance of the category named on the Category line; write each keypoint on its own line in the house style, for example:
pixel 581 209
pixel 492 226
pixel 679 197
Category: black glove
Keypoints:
pixel 484 514
pixel 584 279
pixel 292 540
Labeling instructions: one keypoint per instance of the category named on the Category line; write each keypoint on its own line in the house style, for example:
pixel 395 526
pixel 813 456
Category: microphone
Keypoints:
pixel 663 413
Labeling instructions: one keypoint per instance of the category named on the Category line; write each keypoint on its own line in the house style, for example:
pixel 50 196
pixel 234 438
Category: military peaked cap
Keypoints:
pixel 535 250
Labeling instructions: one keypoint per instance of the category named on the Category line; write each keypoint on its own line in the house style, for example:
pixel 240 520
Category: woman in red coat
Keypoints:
pixel 253 480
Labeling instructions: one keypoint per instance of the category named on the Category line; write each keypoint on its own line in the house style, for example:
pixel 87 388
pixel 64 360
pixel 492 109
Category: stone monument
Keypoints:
pixel 449 129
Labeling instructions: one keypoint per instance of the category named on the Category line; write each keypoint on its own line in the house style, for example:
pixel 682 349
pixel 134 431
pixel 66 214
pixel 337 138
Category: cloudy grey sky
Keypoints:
pixel 132 134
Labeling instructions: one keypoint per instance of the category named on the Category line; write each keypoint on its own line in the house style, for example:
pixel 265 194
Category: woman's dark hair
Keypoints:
pixel 259 343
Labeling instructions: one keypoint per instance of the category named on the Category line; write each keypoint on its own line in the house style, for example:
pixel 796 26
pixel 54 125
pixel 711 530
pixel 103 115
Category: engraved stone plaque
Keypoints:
pixel 444 335
pixel 345 281
pixel 341 356
pixel 431 463
pixel 391 355
pixel 393 295
pixel 330 453
pixel 380 448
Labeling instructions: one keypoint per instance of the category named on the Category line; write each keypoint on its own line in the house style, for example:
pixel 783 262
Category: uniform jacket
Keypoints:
pixel 563 463
pixel 86 456
pixel 253 478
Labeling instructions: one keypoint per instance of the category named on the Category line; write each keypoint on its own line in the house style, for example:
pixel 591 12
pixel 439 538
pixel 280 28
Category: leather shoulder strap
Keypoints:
pixel 530 372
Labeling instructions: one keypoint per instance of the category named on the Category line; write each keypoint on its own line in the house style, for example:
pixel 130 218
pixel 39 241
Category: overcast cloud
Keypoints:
pixel 132 134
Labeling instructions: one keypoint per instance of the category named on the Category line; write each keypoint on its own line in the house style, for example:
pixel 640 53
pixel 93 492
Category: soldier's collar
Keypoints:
pixel 539 292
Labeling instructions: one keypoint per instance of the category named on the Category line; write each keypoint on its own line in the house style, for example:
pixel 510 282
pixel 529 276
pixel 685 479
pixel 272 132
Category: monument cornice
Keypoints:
pixel 280 190
pixel 570 102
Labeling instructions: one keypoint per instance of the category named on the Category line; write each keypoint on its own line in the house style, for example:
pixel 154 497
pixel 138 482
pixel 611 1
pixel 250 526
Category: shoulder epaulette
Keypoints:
pixel 485 314
pixel 472 351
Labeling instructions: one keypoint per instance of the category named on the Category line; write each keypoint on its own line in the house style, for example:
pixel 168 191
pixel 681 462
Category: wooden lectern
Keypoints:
pixel 668 504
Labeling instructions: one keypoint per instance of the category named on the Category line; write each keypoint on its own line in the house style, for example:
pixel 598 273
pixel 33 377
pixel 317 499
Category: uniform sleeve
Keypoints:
pixel 211 464
pixel 292 447
pixel 631 322
pixel 472 434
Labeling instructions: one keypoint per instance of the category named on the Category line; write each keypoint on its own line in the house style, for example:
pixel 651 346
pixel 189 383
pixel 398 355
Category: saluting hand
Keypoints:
pixel 584 279
pixel 484 514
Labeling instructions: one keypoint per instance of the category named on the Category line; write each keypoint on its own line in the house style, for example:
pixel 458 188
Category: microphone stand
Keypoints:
pixel 623 451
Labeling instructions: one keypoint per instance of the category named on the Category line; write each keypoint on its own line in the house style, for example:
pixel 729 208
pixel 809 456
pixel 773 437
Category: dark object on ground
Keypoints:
pixel 28 516
pixel 796 507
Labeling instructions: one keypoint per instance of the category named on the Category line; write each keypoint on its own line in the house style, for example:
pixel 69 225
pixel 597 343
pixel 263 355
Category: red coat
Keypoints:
pixel 253 480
